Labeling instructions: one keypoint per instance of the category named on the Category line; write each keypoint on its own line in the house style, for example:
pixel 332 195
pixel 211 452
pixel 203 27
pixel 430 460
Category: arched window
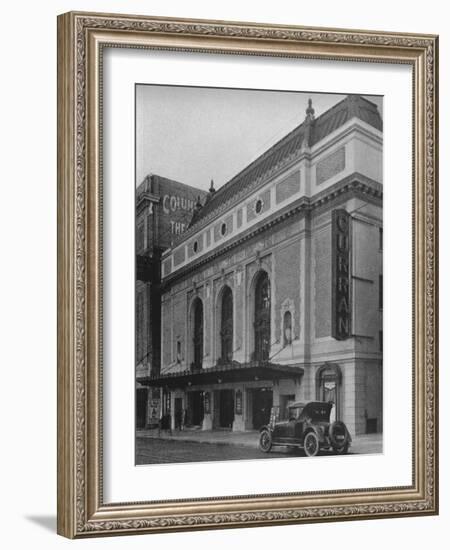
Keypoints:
pixel 287 328
pixel 198 333
pixel 262 317
pixel 226 326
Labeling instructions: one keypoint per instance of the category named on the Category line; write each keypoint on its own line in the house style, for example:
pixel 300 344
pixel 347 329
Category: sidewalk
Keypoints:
pixel 372 443
pixel 216 437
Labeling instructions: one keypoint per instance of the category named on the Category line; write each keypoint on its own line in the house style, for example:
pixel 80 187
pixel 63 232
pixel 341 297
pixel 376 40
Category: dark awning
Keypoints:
pixel 231 372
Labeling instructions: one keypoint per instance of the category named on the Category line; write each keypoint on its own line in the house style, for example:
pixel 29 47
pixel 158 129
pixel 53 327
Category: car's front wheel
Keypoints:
pixel 311 444
pixel 265 441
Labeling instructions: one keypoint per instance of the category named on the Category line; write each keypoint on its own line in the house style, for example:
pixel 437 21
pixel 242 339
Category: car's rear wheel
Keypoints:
pixel 339 437
pixel 311 444
pixel 342 450
pixel 265 441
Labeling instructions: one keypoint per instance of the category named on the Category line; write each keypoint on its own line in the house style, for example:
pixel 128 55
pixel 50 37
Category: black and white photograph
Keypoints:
pixel 259 274
pixel 222 245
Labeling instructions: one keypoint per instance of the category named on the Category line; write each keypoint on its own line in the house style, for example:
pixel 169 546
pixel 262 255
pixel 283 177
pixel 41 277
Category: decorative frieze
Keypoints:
pixel 179 255
pixel 167 267
pixel 288 187
pixel 330 166
pixel 239 217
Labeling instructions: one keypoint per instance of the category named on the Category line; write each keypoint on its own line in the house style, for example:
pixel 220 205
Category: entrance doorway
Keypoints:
pixel 141 408
pixel 224 409
pixel 195 410
pixel 178 412
pixel 262 405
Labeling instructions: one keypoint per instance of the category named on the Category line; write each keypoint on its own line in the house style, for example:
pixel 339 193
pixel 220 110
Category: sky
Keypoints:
pixel 194 134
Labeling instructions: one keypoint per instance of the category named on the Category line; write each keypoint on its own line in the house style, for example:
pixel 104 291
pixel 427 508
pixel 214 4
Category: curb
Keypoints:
pixel 221 442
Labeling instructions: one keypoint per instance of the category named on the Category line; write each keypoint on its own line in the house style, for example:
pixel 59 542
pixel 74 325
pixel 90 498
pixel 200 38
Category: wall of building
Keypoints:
pixel 282 224
pixel 283 254
pixel 278 254
pixel 164 209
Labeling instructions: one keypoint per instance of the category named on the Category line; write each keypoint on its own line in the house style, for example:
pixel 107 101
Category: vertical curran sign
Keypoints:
pixel 341 275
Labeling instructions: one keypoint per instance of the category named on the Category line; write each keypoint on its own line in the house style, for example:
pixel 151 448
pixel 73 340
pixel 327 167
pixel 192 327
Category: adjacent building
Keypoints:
pixel 164 209
pixel 273 294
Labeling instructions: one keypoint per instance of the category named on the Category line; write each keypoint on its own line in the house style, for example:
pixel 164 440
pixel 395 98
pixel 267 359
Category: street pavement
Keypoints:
pixel 160 451
pixel 153 447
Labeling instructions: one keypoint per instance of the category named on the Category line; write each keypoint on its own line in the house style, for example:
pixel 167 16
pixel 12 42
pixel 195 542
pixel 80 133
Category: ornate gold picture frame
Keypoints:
pixel 82 40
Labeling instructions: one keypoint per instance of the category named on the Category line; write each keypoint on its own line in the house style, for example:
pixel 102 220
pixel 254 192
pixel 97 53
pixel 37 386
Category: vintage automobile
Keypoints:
pixel 308 427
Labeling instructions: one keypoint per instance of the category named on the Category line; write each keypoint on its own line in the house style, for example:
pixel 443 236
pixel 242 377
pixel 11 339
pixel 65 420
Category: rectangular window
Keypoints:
pixel 140 344
pixel 380 340
pixel 380 291
pixel 380 238
pixel 166 402
pixel 140 238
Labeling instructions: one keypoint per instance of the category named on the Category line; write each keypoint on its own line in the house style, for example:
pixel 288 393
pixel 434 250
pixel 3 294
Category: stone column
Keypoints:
pixel 238 423
pixel 207 423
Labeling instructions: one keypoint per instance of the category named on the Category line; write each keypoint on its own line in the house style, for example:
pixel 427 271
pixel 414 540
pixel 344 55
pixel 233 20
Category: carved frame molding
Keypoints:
pixel 81 37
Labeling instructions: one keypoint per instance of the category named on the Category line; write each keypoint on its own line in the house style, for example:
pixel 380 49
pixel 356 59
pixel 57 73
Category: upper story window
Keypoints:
pixel 287 328
pixel 262 317
pixel 258 206
pixel 140 238
pixel 223 229
pixel 140 328
pixel 380 291
pixel 226 326
pixel 195 246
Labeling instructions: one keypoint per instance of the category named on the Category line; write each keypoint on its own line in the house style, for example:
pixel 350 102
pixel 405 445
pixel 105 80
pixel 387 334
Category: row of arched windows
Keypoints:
pixel 328 377
pixel 261 323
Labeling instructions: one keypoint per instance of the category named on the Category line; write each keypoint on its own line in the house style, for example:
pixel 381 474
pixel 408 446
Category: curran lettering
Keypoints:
pixel 341 311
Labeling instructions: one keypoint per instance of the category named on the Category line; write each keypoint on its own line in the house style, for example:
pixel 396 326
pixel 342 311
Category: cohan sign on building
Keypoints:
pixel 177 202
pixel 172 205
pixel 173 210
pixel 341 275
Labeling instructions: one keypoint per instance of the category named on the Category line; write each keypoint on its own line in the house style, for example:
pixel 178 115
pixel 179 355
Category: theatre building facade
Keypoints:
pixel 273 294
